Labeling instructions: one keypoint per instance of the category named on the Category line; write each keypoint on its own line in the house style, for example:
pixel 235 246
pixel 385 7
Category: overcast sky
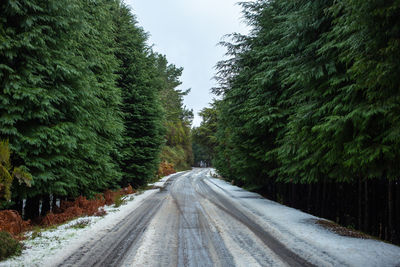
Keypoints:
pixel 187 32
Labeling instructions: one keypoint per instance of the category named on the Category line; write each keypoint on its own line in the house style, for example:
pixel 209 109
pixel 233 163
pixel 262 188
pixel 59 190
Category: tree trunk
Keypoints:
pixel 323 202
pixel 309 198
pixel 397 209
pixel 366 213
pixel 32 207
pixel 338 202
pixel 390 210
pixel 359 203
pixel 317 202
pixel 294 200
pixel 18 206
pixel 45 205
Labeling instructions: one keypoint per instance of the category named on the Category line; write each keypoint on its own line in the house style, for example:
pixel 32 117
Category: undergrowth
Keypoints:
pixel 9 246
pixel 80 224
pixel 119 200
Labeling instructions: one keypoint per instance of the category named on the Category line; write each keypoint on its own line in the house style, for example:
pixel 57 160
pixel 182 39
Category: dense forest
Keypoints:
pixel 309 110
pixel 85 104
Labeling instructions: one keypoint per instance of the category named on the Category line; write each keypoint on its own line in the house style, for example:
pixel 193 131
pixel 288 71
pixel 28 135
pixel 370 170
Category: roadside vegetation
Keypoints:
pixel 86 107
pixel 9 246
pixel 309 112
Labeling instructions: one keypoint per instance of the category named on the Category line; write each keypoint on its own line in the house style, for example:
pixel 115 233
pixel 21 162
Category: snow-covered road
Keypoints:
pixel 196 220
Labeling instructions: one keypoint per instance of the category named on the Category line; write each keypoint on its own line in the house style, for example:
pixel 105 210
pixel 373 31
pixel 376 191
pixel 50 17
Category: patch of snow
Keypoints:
pixel 155 243
pixel 162 181
pixel 51 246
pixel 236 238
pixel 297 231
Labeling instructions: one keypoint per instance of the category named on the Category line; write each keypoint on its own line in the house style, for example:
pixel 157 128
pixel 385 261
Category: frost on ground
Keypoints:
pixel 48 247
pixel 314 243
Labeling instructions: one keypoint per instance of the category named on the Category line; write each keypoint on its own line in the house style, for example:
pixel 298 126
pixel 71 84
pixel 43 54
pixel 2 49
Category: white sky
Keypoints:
pixel 187 32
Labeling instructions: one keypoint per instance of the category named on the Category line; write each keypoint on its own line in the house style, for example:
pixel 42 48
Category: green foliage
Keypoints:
pixel 175 155
pixel 80 224
pixel 119 200
pixel 100 132
pixel 204 137
pixel 178 146
pixel 312 93
pixel 138 74
pixel 82 98
pixel 7 176
pixel 34 67
pixel 59 101
pixel 9 246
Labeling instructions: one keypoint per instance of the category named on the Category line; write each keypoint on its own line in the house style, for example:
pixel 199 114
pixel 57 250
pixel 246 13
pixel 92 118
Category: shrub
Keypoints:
pixel 8 173
pixel 119 200
pixel 165 169
pixel 69 210
pixel 9 246
pixel 80 224
pixel 12 222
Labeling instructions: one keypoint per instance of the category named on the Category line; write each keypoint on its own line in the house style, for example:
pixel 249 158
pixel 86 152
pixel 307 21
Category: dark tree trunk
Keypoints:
pixel 32 207
pixel 390 210
pixel 309 198
pixel 294 200
pixel 45 205
pixel 397 209
pixel 359 203
pixel 338 202
pixel 317 201
pixel 323 200
pixel 18 206
pixel 366 213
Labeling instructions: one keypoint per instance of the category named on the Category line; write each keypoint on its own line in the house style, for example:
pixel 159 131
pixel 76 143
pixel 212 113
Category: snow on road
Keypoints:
pixel 298 231
pixel 205 221
pixel 50 246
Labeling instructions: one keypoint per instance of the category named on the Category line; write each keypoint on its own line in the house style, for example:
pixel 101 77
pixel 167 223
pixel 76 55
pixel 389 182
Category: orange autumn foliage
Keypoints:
pixel 83 207
pixel 165 169
pixel 12 222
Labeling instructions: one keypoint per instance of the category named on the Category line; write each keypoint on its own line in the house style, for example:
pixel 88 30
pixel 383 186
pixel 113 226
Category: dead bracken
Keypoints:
pixel 340 230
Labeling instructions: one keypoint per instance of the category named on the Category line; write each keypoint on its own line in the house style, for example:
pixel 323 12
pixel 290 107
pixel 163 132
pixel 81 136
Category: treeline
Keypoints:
pixel 178 120
pixel 81 100
pixel 310 109
pixel 204 140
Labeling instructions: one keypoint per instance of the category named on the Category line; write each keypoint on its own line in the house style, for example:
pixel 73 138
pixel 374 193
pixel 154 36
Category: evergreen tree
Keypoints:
pixel 59 103
pixel 204 140
pixel 178 146
pixel 143 116
pixel 311 96
pixel 100 133
pixel 40 83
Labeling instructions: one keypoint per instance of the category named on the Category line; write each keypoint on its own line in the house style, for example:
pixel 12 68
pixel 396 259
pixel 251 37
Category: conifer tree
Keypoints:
pixel 100 133
pixel 311 96
pixel 59 103
pixel 40 83
pixel 178 147
pixel 204 140
pixel 143 115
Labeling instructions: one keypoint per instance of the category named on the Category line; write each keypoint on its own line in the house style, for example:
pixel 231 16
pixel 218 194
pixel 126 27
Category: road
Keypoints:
pixel 187 223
